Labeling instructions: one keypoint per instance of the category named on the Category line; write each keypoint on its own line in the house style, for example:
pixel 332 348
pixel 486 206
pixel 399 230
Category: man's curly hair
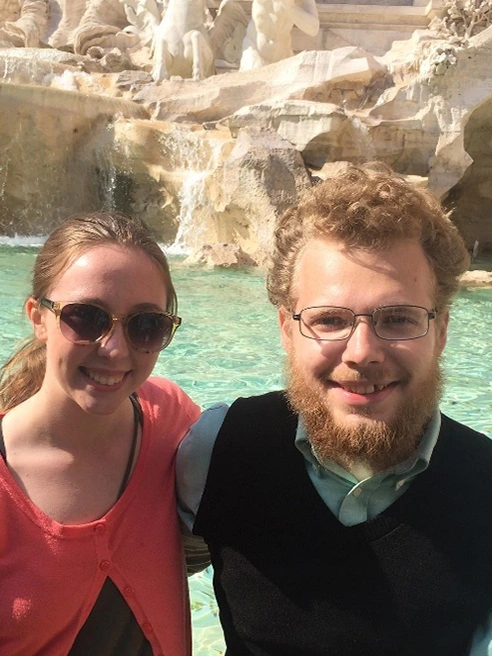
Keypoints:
pixel 368 208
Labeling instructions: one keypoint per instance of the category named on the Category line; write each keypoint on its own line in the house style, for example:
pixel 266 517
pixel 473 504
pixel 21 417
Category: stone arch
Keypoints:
pixel 471 197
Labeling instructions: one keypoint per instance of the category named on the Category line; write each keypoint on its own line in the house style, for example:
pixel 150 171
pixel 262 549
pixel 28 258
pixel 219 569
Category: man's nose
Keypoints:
pixel 363 346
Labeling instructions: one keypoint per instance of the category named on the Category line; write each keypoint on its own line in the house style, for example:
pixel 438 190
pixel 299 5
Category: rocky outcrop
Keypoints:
pixel 55 155
pixel 227 256
pixel 216 160
pixel 262 176
pixel 314 76
pixel 477 279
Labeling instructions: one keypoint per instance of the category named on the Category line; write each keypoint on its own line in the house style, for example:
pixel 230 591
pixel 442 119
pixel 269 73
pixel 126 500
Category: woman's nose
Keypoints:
pixel 115 342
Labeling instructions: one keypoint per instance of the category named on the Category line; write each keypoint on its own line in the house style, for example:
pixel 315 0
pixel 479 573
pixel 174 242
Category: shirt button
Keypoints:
pixel 99 529
pixel 128 591
pixel 104 565
pixel 357 492
pixel 147 627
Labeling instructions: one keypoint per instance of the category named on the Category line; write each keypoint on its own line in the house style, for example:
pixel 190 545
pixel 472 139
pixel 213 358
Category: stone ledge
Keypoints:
pixel 379 14
pixel 362 15
pixel 476 279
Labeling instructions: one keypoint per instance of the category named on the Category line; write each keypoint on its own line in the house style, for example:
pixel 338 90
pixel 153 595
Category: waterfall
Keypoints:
pixel 362 140
pixel 194 158
pixel 113 165
pixel 191 197
pixel 106 176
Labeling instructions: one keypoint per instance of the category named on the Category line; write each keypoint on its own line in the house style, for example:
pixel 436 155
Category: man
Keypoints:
pixel 348 516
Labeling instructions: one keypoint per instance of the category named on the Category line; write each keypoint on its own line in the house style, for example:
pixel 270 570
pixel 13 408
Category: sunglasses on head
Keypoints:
pixel 84 323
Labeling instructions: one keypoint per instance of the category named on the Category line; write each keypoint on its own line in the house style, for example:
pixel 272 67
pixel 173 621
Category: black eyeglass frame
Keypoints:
pixel 57 306
pixel 297 316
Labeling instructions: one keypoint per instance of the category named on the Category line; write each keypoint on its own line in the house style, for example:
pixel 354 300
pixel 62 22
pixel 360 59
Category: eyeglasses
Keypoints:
pixel 392 322
pixel 83 323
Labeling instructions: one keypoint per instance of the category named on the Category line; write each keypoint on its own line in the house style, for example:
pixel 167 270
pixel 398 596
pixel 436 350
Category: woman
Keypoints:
pixel 90 552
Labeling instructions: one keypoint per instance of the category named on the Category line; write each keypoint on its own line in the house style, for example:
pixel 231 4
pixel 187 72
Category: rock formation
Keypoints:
pixel 214 161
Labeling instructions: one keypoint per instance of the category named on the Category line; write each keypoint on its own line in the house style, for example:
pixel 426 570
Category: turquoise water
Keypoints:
pixel 228 346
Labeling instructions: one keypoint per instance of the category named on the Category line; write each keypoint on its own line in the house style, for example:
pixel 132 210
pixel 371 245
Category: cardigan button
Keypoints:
pixel 128 591
pixel 147 627
pixel 104 565
pixel 99 529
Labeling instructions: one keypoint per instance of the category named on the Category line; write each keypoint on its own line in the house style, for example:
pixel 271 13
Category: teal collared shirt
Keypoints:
pixel 353 500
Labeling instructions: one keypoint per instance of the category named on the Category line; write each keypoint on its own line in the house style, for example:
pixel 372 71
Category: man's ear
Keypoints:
pixel 37 318
pixel 442 322
pixel 285 322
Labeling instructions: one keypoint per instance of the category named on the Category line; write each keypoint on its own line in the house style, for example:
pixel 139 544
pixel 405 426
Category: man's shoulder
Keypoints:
pixel 270 401
pixel 252 423
pixel 244 419
pixel 457 429
pixel 464 446
pixel 262 412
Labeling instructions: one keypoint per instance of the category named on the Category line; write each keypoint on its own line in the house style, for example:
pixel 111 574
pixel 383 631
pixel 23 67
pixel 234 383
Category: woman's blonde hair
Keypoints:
pixel 22 375
pixel 369 208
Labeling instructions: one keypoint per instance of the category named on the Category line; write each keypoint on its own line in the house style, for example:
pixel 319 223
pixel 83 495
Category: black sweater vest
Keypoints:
pixel 291 580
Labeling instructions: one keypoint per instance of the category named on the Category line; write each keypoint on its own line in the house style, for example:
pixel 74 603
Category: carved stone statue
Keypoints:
pixel 268 37
pixel 87 24
pixel 462 19
pixel 181 44
pixel 227 31
pixel 72 12
pixel 23 22
pixel 185 40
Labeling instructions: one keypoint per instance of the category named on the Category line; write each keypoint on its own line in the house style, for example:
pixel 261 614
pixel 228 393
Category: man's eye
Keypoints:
pixel 397 319
pixel 329 322
pixel 400 320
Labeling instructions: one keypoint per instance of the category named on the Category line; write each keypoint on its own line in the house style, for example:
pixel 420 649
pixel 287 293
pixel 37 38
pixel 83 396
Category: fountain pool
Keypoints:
pixel 229 346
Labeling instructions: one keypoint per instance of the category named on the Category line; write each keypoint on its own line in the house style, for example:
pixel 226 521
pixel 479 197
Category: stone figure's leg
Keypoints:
pixel 202 55
pixel 250 58
pixel 71 15
pixel 161 55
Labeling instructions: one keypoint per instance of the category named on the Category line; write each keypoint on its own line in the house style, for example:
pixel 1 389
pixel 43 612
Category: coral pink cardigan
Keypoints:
pixel 51 574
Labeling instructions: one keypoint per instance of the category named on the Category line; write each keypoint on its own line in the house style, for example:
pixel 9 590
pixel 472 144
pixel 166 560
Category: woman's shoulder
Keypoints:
pixel 162 397
pixel 159 385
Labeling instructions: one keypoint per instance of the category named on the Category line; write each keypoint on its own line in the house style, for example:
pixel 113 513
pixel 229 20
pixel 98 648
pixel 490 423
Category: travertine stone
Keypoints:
pixel 216 160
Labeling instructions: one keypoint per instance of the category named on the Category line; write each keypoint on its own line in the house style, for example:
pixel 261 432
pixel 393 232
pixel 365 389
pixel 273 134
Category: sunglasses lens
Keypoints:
pixel 149 331
pixel 80 322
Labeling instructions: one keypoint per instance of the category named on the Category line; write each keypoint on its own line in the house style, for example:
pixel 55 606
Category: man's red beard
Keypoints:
pixel 378 444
